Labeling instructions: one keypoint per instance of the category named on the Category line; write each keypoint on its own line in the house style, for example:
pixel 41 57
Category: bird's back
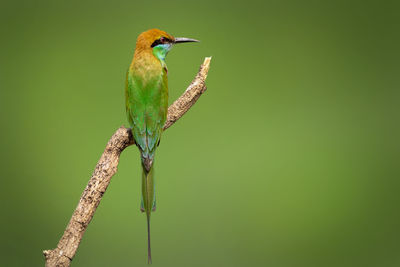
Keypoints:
pixel 146 103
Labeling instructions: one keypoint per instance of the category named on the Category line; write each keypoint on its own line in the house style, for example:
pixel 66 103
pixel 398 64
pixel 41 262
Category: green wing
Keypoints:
pixel 146 107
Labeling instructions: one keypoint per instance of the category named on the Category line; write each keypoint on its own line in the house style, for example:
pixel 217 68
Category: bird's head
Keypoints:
pixel 158 42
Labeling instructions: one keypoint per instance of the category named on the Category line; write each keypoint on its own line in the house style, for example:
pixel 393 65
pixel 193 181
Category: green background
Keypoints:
pixel 291 157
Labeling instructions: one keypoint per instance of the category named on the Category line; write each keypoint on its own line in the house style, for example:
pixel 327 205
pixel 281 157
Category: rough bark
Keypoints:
pixel 65 251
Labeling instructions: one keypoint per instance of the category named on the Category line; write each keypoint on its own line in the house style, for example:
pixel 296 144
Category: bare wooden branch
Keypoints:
pixel 190 96
pixel 65 251
pixel 90 199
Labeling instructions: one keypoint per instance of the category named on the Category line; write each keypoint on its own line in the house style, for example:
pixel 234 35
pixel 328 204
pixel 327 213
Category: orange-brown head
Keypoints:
pixel 159 40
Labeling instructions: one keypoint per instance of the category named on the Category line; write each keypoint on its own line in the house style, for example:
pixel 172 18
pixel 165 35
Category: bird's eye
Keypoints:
pixel 161 40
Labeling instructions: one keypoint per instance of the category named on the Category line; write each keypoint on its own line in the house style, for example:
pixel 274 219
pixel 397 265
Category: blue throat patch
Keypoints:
pixel 161 51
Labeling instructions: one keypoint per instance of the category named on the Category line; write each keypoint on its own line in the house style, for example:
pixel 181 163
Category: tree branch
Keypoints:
pixel 65 251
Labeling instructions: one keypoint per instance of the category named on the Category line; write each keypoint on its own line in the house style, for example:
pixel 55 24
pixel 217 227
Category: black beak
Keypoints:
pixel 184 40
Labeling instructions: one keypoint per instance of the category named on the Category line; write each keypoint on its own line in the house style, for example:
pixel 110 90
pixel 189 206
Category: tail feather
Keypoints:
pixel 148 197
pixel 148 241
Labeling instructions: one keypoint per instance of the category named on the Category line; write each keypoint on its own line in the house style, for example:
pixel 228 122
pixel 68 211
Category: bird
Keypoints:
pixel 146 95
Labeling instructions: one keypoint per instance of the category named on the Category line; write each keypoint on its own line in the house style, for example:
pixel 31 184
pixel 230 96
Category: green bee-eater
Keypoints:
pixel 146 95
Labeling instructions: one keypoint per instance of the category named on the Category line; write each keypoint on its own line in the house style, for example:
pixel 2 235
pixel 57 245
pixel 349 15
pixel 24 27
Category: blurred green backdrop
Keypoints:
pixel 291 158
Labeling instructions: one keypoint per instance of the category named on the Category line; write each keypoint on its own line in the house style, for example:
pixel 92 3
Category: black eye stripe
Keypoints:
pixel 156 42
pixel 162 40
